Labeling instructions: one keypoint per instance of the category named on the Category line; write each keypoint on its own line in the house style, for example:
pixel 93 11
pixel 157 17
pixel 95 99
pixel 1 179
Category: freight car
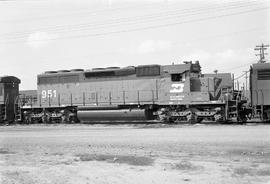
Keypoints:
pixel 9 90
pixel 172 93
pixel 260 90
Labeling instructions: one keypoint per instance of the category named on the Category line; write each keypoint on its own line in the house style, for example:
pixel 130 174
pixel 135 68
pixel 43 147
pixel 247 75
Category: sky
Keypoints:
pixel 45 35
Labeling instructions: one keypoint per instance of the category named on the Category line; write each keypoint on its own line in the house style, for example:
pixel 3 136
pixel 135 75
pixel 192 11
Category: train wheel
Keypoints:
pixel 268 115
pixel 28 120
pixel 45 118
pixel 64 118
pixel 192 118
pixel 199 119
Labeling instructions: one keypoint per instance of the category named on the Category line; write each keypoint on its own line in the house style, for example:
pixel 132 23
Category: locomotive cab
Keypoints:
pixel 260 90
pixel 9 91
pixel 195 97
pixel 183 84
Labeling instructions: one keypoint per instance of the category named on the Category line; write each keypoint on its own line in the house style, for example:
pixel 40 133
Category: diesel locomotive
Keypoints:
pixel 9 93
pixel 163 93
pixel 260 90
pixel 169 93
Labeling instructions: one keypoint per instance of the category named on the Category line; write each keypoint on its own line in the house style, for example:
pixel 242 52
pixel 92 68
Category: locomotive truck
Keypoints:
pixel 169 93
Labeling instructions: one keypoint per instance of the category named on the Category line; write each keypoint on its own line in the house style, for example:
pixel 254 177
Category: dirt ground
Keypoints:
pixel 141 154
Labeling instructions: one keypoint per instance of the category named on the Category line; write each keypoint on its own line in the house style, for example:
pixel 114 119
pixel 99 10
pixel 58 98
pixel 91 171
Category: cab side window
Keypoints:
pixel 176 77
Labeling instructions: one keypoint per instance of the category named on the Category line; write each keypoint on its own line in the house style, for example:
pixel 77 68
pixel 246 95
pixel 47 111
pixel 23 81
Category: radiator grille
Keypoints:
pixel 264 74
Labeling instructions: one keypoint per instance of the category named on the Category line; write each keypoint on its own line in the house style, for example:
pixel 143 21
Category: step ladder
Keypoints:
pixel 17 109
pixel 258 112
pixel 233 111
pixel 2 113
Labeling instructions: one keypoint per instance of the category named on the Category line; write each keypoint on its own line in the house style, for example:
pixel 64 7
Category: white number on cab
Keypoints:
pixel 48 93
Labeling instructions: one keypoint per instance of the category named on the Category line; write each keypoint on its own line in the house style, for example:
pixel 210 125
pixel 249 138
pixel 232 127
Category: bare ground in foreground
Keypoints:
pixel 80 154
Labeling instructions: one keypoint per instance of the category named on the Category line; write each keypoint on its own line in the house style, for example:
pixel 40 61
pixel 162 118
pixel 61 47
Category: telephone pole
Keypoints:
pixel 262 53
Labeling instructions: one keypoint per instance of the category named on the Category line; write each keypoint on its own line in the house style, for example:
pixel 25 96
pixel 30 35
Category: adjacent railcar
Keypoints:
pixel 9 90
pixel 28 97
pixel 260 90
pixel 149 92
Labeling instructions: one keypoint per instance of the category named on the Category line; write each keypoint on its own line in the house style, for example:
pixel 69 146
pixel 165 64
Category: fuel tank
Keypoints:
pixel 112 114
